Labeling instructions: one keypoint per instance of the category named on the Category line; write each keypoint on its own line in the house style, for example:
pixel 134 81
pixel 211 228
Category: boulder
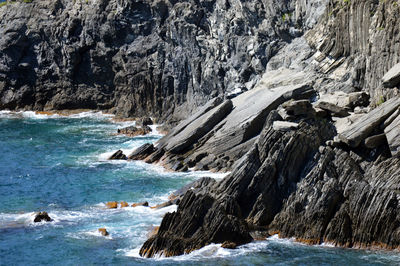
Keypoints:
pixel 392 132
pixel 392 77
pixel 124 204
pixel 133 131
pixel 335 110
pixel 367 123
pixel 391 118
pixel 112 205
pixel 142 152
pixel 375 141
pixel 144 204
pixel 145 121
pixel 42 216
pixel 118 155
pixel 284 125
pixel 103 231
pixel 299 108
pixel 346 100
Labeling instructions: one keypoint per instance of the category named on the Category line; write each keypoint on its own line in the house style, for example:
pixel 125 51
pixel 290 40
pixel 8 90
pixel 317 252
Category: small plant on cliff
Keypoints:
pixel 380 101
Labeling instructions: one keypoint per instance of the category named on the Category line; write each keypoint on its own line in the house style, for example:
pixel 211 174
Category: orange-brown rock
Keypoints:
pixel 144 204
pixel 153 231
pixel 112 205
pixel 162 205
pixel 124 204
pixel 134 131
pixel 229 245
pixel 103 231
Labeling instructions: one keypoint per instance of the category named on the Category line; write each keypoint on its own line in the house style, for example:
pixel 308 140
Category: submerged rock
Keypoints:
pixel 124 204
pixel 42 216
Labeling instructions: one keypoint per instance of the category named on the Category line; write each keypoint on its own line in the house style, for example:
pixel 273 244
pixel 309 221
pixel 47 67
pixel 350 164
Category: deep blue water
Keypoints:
pixel 58 165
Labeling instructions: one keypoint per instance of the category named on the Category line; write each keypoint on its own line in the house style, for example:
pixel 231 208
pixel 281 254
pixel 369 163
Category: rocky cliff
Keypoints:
pixel 161 58
pixel 299 99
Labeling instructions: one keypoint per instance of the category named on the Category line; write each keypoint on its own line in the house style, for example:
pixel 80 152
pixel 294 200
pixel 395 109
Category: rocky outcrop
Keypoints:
pixel 139 58
pixel 291 183
pixel 103 231
pixel 118 155
pixel 42 216
pixel 392 77
pixel 133 131
pixel 220 133
pixel 142 152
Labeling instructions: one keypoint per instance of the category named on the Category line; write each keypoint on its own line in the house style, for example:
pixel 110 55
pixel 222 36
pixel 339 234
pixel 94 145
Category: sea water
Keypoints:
pixel 59 165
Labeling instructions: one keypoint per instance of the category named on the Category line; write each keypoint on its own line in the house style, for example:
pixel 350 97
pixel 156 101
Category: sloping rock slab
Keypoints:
pixel 392 133
pixel 142 152
pixel 284 125
pixel 365 125
pixel 392 77
pixel 195 131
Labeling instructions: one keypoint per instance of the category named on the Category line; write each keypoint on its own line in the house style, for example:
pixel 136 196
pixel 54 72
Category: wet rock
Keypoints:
pixel 144 204
pixel 162 205
pixel 42 216
pixel 142 152
pixel 228 245
pixel 112 205
pixel 103 231
pixel 132 131
pixel 145 121
pixel 124 204
pixel 364 126
pixel 392 132
pixel 118 155
pixel 375 141
pixel 392 77
pixel 284 125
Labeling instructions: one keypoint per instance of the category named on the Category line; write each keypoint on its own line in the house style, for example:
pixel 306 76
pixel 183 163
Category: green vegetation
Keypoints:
pixel 380 101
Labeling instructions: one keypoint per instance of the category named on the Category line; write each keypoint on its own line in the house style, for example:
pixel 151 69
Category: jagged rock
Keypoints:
pixel 124 204
pixel 103 231
pixel 118 155
pixel 112 205
pixel 247 198
pixel 132 131
pixel 392 132
pixel 144 204
pixel 375 141
pixel 142 152
pixel 363 127
pixel 392 77
pixel 42 216
pixel 235 133
pixel 332 108
pixel 284 125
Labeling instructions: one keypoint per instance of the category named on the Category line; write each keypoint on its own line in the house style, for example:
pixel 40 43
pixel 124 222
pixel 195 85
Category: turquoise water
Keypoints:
pixel 58 164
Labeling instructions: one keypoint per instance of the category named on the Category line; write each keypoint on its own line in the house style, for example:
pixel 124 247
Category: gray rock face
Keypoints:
pixel 139 58
pixel 142 152
pixel 289 183
pixel 392 77
pixel 367 123
pixel 216 138
pixel 284 125
pixel 392 132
